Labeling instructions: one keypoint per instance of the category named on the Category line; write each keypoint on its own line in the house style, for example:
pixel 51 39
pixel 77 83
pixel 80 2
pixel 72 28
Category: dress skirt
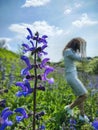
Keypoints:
pixel 76 85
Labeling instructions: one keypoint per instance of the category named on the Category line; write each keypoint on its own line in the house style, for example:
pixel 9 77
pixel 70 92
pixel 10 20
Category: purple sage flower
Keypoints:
pixel 27 48
pixel 4 118
pixel 23 113
pixel 25 71
pixel 26 88
pixel 48 70
pixel 43 63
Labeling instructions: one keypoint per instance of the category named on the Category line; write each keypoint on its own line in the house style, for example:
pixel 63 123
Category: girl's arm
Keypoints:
pixel 74 56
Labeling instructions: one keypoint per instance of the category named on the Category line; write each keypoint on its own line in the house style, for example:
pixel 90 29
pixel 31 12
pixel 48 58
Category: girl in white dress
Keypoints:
pixel 71 53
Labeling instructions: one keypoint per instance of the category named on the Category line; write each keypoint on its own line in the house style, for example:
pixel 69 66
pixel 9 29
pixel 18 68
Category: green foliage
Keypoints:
pixel 93 66
pixel 8 54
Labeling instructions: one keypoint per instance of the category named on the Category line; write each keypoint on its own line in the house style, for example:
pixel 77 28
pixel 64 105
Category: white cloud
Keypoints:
pixel 77 5
pixel 41 26
pixel 84 21
pixel 67 11
pixel 35 3
pixel 71 8
pixel 6 39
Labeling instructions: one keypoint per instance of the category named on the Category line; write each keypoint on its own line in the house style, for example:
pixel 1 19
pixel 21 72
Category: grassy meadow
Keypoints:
pixel 53 99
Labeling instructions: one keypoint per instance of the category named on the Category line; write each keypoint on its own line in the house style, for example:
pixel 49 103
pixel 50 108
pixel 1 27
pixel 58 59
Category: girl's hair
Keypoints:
pixel 77 44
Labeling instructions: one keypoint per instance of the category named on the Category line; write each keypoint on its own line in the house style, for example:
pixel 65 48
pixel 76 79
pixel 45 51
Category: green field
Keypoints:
pixel 53 99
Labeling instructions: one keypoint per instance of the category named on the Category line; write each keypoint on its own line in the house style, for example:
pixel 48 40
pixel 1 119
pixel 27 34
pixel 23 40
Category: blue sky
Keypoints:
pixel 61 20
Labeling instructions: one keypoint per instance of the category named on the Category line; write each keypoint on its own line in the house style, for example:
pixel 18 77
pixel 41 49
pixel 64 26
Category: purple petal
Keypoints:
pixel 44 36
pixel 44 61
pixel 23 93
pixel 28 37
pixel 47 71
pixel 51 81
pixel 19 93
pixel 9 123
pixel 3 126
pixel 7 114
pixel 95 124
pixel 32 43
pixel 45 53
pixel 26 46
pixel 6 109
pixel 20 84
pixel 30 33
pixel 43 47
pixel 28 87
pixel 25 71
pixel 23 112
pixel 39 54
pixel 32 49
pixel 27 84
pixel 26 60
pixel 19 118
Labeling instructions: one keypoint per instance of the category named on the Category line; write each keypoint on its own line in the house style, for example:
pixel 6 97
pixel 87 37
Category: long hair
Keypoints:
pixel 77 44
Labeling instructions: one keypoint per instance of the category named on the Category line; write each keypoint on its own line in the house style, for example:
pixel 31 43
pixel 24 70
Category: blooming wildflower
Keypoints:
pixel 95 124
pixel 48 70
pixel 43 63
pixel 27 48
pixel 4 118
pixel 25 71
pixel 23 113
pixel 26 89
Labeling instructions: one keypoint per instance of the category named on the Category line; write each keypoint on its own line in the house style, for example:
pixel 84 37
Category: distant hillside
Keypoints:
pixel 8 54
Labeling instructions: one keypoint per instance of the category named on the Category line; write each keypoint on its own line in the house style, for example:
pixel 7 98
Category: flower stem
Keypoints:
pixel 35 86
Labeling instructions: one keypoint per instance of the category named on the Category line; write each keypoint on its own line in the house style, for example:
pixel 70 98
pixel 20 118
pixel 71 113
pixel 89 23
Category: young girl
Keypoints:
pixel 71 53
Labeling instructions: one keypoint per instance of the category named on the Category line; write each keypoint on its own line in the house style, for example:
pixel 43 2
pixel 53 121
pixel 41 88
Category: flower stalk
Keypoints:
pixel 35 86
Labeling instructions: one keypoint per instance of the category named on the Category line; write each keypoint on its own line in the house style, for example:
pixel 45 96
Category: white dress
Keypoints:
pixel 77 86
